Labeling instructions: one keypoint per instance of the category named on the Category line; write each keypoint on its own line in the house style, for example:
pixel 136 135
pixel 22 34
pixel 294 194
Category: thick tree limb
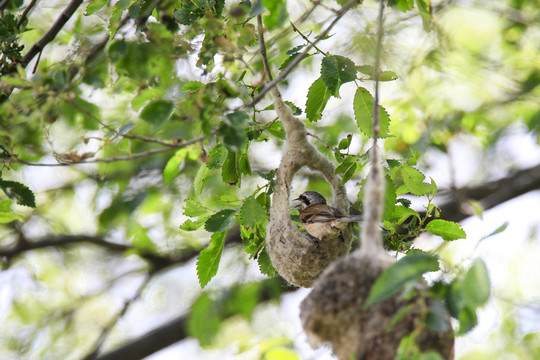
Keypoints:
pixel 489 194
pixel 175 330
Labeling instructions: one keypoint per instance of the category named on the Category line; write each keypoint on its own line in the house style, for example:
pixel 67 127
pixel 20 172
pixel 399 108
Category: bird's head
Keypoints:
pixel 310 198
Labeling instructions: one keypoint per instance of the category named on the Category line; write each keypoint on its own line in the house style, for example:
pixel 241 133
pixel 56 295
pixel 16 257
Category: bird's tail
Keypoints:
pixel 352 218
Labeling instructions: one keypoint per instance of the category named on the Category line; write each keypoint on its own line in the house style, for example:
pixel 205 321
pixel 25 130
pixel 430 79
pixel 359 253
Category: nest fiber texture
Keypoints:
pixel 293 255
pixel 333 312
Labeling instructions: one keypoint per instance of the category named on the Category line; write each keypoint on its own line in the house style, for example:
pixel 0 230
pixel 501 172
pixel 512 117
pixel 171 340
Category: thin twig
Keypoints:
pixel 320 140
pixel 377 72
pixel 25 13
pixel 107 329
pixel 53 31
pixel 111 159
pixel 307 39
pixel 300 56
pixel 127 136
pixel 262 45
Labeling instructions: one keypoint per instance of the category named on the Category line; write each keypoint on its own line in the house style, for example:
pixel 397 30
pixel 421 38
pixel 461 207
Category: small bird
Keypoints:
pixel 319 219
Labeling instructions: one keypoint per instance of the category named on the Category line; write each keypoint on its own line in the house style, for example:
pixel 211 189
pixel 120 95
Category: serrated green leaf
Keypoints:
pixel 18 192
pixel 265 265
pixel 414 181
pixel 476 285
pixel 199 179
pixel 335 71
pixel 220 221
pixel 6 213
pixel 173 167
pixel 217 156
pixel 317 97
pixel 448 230
pixel 402 213
pixel 230 172
pixel 94 6
pixel 208 260
pixel 188 14
pixel 252 213
pixel 157 112
pixel 193 208
pixel 190 225
pixel 277 130
pixel 363 113
pixel 232 130
pixel 406 270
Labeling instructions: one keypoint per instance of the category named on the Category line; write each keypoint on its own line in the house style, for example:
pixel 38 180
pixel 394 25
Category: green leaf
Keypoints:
pixel 498 230
pixel 199 179
pixel 230 172
pixel 277 130
pixel 208 260
pixel 363 111
pixel 157 112
pixel 345 142
pixel 252 213
pixel 191 86
pixel 18 192
pixel 232 130
pixel 390 199
pixel 94 6
pixel 317 97
pixel 448 230
pixel 278 13
pixel 193 208
pixel 190 225
pixel 335 71
pixel 188 14
pixel 173 166
pixel 265 265
pixel 6 213
pixel 476 285
pixel 220 221
pixel 402 213
pixel 403 5
pixel 145 95
pixel 387 76
pixel 414 181
pixel 347 168
pixel 217 156
pixel 204 320
pixel 406 270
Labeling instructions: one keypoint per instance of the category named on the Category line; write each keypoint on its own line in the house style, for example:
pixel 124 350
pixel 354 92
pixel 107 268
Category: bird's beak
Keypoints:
pixel 297 205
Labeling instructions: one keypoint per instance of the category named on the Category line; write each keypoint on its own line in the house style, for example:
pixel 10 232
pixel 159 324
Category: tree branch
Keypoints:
pixel 12 159
pixel 490 194
pixel 300 56
pixel 175 330
pixel 107 329
pixel 53 31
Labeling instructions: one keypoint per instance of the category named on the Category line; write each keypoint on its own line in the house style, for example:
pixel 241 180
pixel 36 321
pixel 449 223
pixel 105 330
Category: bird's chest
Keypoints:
pixel 321 230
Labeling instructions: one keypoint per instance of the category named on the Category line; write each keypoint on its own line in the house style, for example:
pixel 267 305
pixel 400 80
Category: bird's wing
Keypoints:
pixel 319 213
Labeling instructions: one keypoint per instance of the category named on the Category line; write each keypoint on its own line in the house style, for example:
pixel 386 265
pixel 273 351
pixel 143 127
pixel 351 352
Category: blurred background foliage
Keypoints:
pixel 112 114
